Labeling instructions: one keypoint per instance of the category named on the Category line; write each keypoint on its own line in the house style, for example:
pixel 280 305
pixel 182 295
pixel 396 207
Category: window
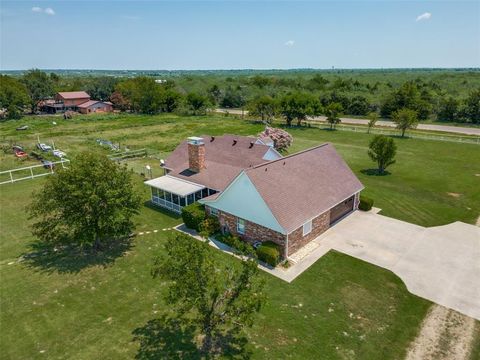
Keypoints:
pixel 240 226
pixel 307 228
pixel 213 211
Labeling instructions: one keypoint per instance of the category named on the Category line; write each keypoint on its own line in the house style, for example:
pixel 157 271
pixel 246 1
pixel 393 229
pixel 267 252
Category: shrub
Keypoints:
pixel 236 243
pixel 209 226
pixel 365 203
pixel 193 215
pixel 269 252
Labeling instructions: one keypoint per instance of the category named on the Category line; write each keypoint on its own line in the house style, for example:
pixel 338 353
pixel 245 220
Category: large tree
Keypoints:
pixel 143 94
pixel 263 106
pixel 89 204
pixel 298 106
pixel 382 150
pixel 220 300
pixel 197 103
pixel 39 86
pixel 405 119
pixel 471 109
pixel 410 96
pixel 448 109
pixel 13 96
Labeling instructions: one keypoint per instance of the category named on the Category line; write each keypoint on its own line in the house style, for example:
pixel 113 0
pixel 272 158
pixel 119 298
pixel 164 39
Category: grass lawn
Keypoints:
pixel 58 309
pixel 432 183
pixel 340 308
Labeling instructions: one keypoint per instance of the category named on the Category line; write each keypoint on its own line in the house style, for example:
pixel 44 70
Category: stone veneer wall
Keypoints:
pixel 196 157
pixel 253 232
pixel 296 240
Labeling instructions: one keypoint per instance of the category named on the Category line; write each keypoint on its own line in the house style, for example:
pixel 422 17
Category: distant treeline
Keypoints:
pixel 437 94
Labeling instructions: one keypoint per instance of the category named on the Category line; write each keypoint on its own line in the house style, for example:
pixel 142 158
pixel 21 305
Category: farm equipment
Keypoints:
pixel 44 147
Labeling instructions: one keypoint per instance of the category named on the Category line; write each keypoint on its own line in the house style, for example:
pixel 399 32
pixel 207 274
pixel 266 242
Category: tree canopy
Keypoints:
pixel 405 119
pixel 382 150
pixel 89 204
pixel 333 111
pixel 264 106
pixel 39 86
pixel 13 96
pixel 220 301
pixel 298 106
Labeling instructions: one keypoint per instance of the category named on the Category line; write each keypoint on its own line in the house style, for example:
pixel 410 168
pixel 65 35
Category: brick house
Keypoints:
pixel 255 192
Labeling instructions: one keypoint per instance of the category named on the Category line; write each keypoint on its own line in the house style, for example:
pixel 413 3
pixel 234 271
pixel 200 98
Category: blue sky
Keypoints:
pixel 238 35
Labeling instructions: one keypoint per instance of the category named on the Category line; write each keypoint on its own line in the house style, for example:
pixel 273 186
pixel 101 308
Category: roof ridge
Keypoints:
pixel 287 157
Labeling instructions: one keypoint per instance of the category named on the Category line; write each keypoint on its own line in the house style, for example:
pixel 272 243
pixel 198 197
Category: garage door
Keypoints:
pixel 341 209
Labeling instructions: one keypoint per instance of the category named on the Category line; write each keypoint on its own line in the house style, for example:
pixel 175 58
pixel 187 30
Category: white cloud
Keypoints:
pixel 290 43
pixel 424 16
pixel 49 11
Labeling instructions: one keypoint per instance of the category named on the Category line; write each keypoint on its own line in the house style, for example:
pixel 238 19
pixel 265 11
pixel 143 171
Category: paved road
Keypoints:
pixel 431 127
pixel 441 264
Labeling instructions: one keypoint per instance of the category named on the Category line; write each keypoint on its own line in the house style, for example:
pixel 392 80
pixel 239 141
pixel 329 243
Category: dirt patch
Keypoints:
pixel 445 335
pixel 477 174
pixel 455 195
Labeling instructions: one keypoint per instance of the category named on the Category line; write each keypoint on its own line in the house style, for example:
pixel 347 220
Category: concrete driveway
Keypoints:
pixel 441 264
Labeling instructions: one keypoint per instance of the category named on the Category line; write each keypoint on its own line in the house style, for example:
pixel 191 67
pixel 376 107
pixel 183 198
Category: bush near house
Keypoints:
pixel 209 226
pixel 236 243
pixel 193 215
pixel 366 203
pixel 269 252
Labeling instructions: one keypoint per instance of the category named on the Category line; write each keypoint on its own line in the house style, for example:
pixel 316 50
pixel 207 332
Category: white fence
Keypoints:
pixel 408 134
pixel 29 173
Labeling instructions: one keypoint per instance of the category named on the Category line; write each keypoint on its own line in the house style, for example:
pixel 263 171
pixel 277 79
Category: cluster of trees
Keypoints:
pixel 444 96
pixel 219 300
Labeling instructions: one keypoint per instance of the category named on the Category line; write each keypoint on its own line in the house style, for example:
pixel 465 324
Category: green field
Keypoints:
pixel 341 308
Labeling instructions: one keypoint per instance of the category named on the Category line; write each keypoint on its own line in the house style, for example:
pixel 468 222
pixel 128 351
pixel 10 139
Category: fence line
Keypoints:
pixel 363 129
pixel 128 154
pixel 32 175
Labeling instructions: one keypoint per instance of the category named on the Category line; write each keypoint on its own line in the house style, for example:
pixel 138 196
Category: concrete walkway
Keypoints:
pixel 441 264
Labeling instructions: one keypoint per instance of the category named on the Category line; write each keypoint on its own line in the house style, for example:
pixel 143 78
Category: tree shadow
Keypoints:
pixel 166 338
pixel 174 338
pixel 374 172
pixel 72 259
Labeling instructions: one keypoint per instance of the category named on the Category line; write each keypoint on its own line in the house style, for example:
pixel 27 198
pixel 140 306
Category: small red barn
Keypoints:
pixel 72 98
pixel 92 106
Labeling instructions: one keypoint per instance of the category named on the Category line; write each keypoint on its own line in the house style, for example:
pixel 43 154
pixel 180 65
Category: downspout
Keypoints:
pixel 286 248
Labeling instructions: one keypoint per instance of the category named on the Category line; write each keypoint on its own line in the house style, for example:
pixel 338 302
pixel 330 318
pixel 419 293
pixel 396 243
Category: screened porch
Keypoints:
pixel 172 193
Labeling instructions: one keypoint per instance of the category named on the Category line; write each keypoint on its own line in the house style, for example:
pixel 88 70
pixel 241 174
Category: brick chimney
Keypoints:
pixel 196 154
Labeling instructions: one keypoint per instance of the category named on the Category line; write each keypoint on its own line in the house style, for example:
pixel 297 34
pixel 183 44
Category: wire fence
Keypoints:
pixel 30 172
pixel 395 132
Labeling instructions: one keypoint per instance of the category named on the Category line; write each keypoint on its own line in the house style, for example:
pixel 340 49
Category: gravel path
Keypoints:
pixel 445 335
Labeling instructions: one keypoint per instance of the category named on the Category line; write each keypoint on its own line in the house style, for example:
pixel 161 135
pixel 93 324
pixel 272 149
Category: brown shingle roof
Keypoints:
pixel 223 160
pixel 302 186
pixel 74 95
pixel 88 103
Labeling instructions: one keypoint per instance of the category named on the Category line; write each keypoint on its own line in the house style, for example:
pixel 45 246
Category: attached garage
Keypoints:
pixel 341 209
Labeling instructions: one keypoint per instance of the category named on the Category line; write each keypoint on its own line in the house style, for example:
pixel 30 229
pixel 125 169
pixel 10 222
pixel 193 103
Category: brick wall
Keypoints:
pixel 296 240
pixel 196 157
pixel 253 232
